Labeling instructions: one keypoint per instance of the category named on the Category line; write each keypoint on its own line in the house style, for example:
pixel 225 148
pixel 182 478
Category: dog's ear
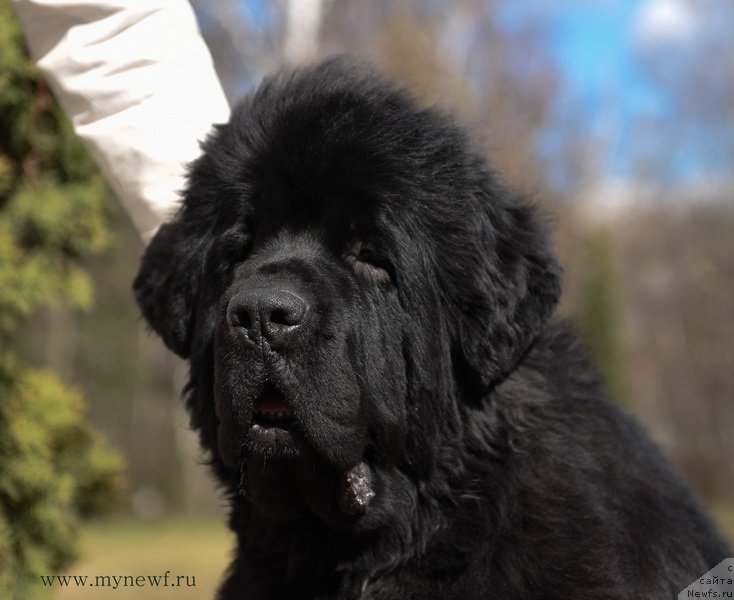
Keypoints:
pixel 515 289
pixel 165 287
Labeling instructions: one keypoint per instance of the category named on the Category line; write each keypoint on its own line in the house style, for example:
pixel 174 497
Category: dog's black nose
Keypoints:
pixel 265 313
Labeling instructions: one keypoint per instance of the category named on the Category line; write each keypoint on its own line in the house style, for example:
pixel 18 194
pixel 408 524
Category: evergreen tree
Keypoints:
pixel 601 311
pixel 54 470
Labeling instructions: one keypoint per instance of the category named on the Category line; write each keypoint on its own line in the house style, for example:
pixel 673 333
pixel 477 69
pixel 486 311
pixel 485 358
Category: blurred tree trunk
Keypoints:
pixel 303 22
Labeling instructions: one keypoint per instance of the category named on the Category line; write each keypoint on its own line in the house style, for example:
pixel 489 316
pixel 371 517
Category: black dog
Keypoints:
pixel 376 375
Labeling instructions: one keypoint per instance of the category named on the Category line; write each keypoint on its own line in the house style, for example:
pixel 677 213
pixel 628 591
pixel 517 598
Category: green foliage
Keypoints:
pixel 601 311
pixel 43 227
pixel 35 137
pixel 54 470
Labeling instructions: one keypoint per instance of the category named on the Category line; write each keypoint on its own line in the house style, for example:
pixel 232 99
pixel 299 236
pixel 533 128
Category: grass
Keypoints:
pixel 724 517
pixel 197 548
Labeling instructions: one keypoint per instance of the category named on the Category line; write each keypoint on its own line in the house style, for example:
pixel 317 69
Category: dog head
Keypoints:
pixel 343 274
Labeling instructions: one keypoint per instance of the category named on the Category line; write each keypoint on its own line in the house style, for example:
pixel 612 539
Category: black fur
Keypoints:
pixel 348 254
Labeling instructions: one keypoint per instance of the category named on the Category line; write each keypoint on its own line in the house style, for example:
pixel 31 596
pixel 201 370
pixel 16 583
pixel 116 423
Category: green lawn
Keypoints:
pixel 724 515
pixel 197 548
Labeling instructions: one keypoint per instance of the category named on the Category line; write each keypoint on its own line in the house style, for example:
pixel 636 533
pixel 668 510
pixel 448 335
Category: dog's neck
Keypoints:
pixel 308 555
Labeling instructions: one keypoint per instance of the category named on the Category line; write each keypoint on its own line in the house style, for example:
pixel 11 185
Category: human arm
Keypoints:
pixel 139 85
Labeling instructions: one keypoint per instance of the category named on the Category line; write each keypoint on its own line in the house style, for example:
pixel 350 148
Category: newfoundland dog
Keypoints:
pixel 377 376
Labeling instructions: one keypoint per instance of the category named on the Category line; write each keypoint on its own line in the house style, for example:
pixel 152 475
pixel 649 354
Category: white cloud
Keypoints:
pixel 664 21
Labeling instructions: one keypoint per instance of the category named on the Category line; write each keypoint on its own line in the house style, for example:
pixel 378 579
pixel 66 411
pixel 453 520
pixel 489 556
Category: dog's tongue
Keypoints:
pixel 272 405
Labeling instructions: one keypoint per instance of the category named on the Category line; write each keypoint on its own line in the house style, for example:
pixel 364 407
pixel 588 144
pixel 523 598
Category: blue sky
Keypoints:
pixel 594 43
pixel 597 44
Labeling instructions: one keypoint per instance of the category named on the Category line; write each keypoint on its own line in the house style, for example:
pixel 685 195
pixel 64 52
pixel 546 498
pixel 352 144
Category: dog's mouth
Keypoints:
pixel 273 421
pixel 274 432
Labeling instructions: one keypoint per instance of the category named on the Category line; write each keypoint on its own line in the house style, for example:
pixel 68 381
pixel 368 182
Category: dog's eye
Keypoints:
pixel 365 263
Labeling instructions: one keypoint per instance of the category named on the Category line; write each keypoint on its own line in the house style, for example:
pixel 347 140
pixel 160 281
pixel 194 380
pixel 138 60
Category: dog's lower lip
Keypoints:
pixel 270 435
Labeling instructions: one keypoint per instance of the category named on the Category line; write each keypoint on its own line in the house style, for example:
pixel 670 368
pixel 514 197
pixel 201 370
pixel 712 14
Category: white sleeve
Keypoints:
pixel 139 85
